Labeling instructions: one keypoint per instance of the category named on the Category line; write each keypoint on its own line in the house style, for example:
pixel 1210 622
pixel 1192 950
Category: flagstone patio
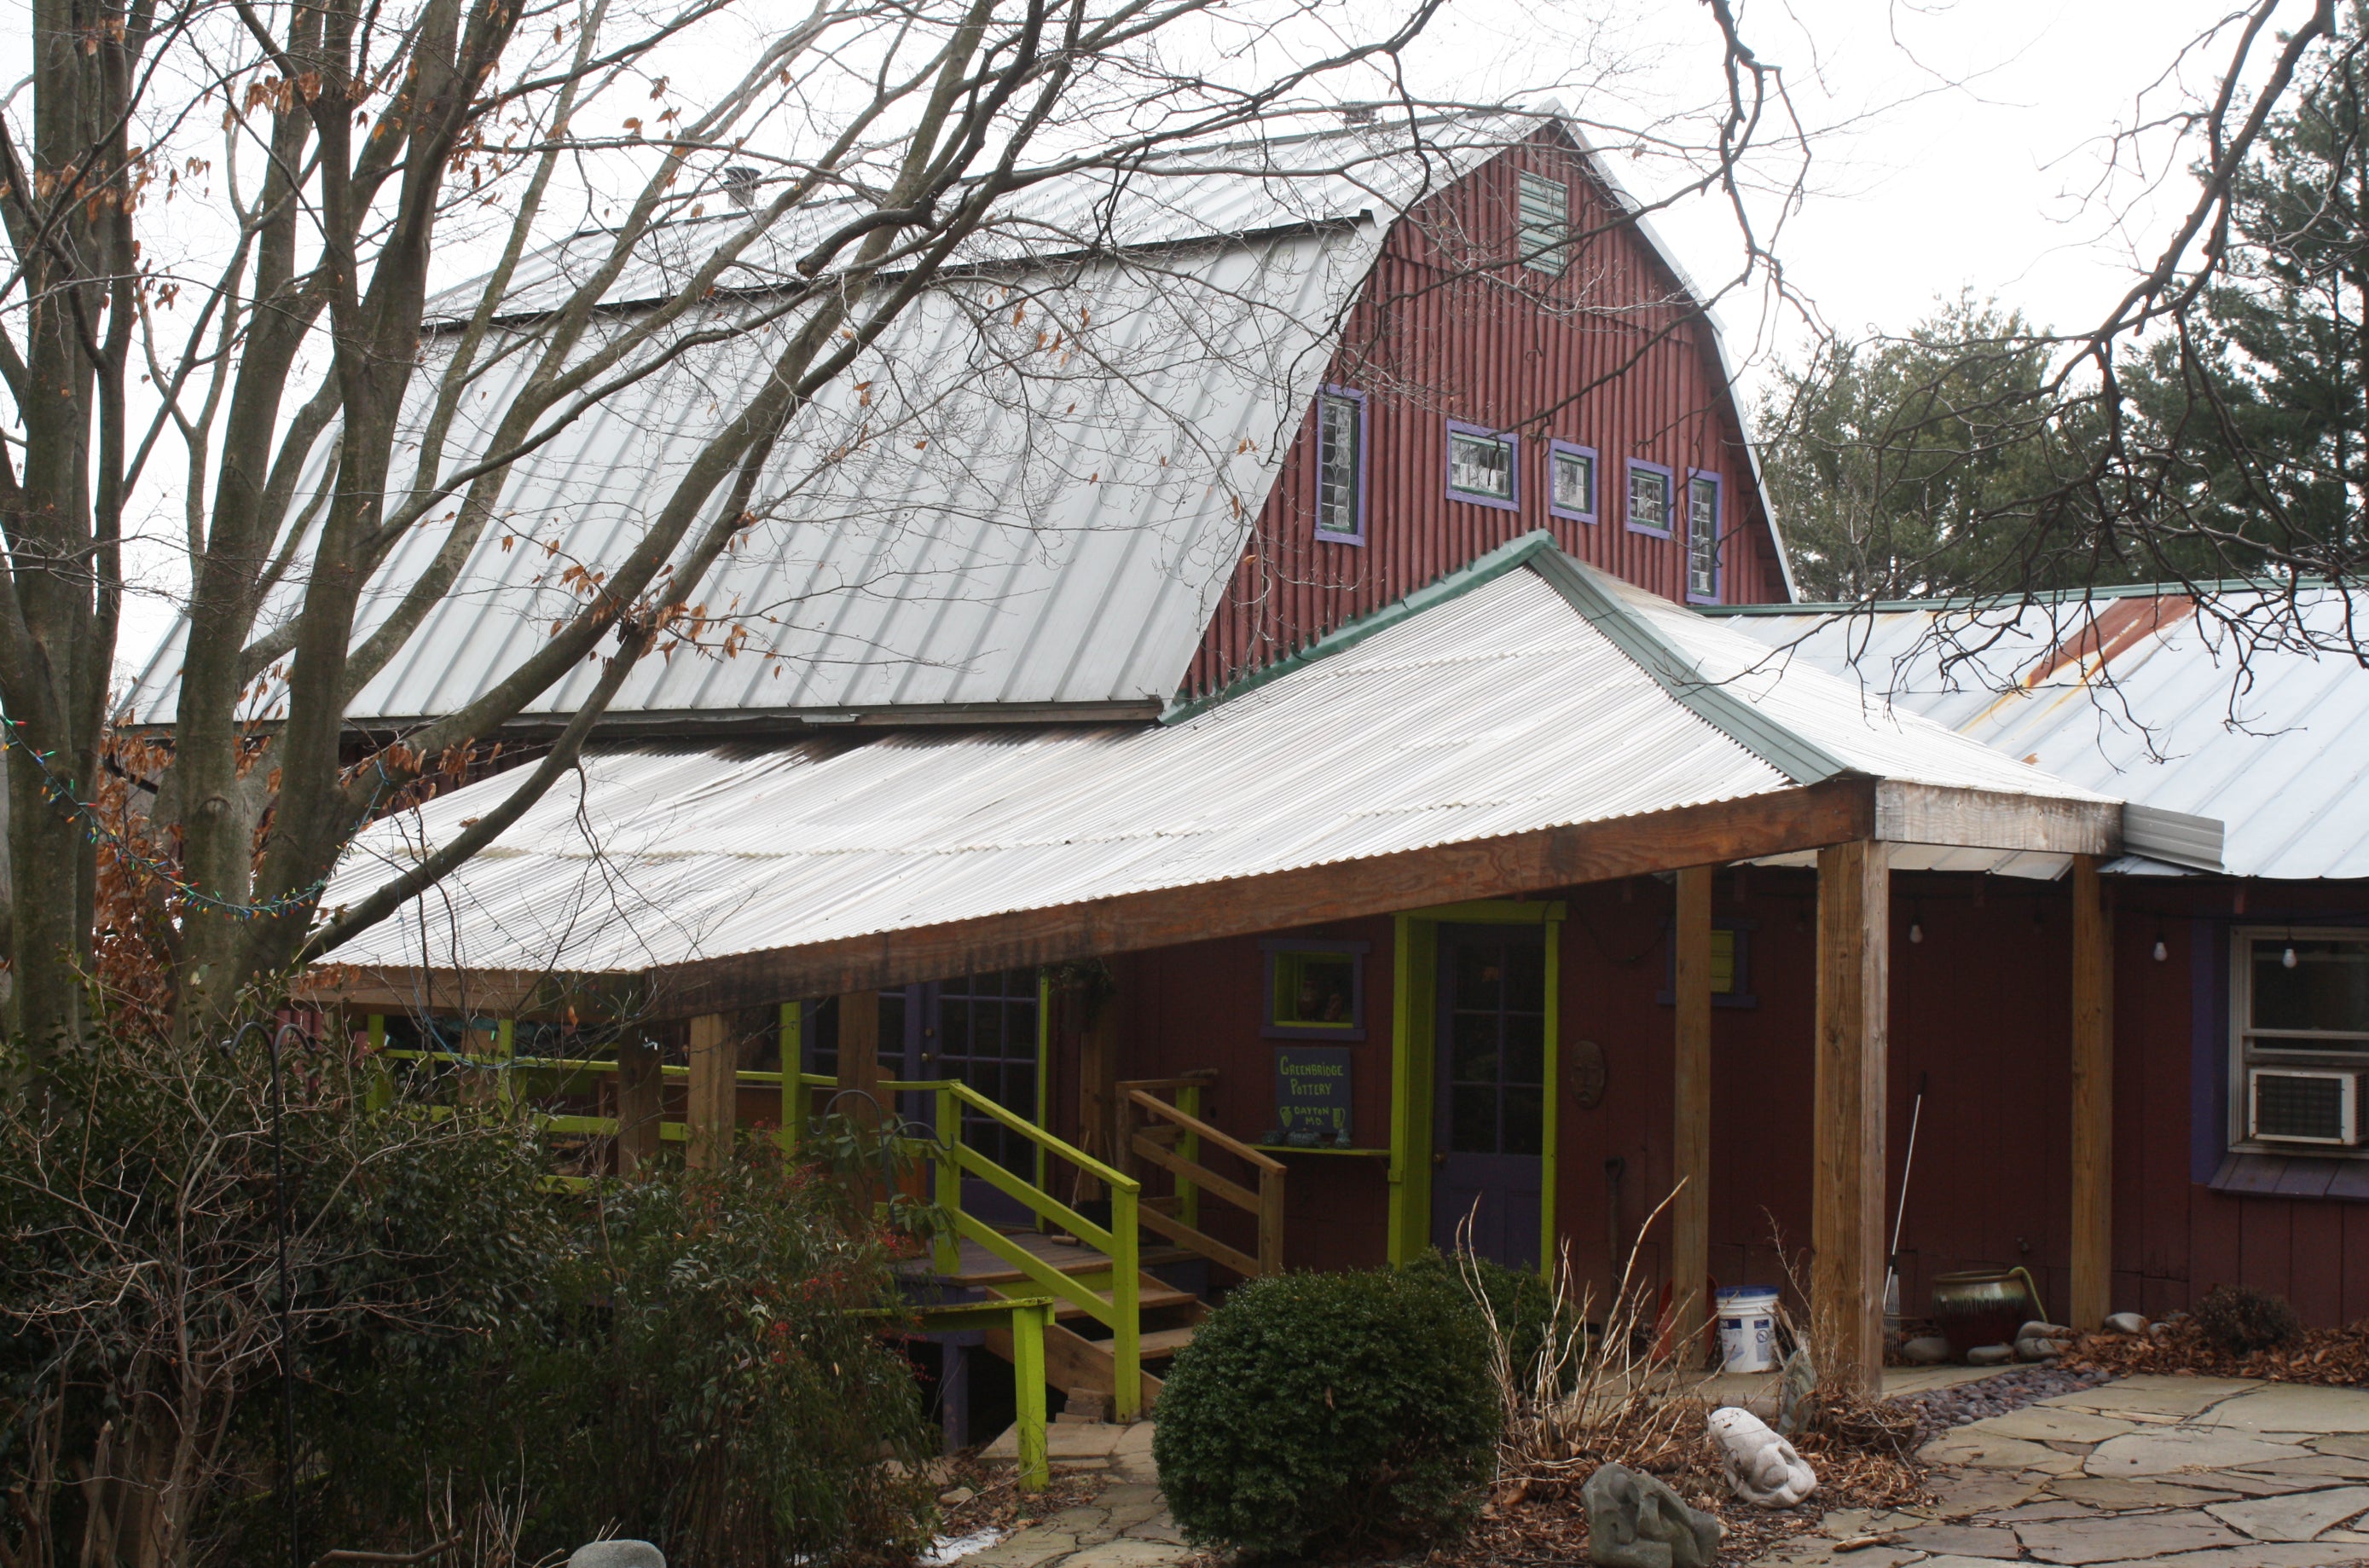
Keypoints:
pixel 2196 1473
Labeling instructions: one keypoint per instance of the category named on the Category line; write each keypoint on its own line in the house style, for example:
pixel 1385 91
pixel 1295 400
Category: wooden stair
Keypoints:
pixel 1167 1315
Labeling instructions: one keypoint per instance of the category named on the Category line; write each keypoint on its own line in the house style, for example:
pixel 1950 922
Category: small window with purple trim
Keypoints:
pixel 1341 465
pixel 1571 481
pixel 1649 498
pixel 1702 536
pixel 1480 465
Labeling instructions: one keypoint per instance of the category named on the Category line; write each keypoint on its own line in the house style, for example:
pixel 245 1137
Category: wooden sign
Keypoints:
pixel 1312 1095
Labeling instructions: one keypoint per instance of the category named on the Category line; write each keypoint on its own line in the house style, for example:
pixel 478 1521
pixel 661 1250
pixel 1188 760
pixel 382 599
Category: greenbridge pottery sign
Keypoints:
pixel 1312 1096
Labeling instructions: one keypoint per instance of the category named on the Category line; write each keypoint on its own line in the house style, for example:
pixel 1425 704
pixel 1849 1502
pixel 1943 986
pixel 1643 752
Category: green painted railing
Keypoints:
pixel 1120 1311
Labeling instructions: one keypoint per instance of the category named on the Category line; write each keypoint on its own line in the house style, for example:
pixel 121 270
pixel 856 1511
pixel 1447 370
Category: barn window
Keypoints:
pixel 2301 1016
pixel 1341 465
pixel 1480 465
pixel 1315 991
pixel 1650 485
pixel 1571 481
pixel 1702 536
pixel 1545 226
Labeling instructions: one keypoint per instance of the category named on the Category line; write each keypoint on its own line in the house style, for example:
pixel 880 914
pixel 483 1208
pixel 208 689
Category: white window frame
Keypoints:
pixel 2244 1052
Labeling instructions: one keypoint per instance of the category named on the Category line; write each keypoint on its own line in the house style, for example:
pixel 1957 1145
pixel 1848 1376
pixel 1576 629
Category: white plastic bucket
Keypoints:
pixel 1747 1329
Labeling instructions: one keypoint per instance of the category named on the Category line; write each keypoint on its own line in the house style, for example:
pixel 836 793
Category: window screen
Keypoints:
pixel 1702 537
pixel 1339 466
pixel 1649 500
pixel 1480 465
pixel 1574 483
pixel 1545 226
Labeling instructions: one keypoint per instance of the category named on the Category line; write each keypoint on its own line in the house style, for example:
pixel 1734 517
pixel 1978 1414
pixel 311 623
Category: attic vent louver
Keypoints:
pixel 741 184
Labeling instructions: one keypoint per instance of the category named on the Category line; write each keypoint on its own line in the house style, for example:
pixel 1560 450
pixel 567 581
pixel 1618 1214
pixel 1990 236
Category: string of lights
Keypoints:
pixel 62 793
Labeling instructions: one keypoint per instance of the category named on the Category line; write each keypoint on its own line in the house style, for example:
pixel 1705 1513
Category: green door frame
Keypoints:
pixel 1415 986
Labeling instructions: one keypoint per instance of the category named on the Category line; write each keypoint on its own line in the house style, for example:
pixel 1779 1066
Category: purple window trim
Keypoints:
pixel 1513 465
pixel 1353 1030
pixel 1352 394
pixel 1669 477
pixel 1717 535
pixel 1594 478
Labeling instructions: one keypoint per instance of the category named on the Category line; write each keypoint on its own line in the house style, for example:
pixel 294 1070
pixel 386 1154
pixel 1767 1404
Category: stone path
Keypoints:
pixel 1125 1526
pixel 2195 1472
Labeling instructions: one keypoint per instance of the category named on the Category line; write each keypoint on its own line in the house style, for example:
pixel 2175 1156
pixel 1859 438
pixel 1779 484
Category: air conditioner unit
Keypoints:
pixel 2294 1104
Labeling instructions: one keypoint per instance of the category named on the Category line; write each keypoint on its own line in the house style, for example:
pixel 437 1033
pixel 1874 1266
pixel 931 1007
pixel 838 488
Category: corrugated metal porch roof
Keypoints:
pixel 1533 693
pixel 2135 693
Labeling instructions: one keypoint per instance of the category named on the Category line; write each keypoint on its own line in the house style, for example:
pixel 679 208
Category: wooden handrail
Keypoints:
pixel 1142 1142
pixel 1192 1123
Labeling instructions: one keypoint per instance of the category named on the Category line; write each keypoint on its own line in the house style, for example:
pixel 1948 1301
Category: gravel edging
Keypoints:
pixel 1941 1409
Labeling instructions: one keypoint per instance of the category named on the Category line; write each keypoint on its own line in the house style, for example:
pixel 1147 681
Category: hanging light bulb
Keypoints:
pixel 1916 931
pixel 2161 952
pixel 2287 958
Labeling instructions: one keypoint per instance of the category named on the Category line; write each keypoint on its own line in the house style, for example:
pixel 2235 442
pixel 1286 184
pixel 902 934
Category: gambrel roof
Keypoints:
pixel 1025 504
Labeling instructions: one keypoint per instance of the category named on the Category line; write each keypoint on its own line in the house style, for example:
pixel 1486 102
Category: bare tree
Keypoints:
pixel 224 216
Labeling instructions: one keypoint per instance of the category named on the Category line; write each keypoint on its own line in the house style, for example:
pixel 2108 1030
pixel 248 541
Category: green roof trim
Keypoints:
pixel 1349 634
pixel 1588 592
pixel 2015 600
pixel 1796 757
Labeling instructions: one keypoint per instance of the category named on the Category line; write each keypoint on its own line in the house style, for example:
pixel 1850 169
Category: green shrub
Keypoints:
pixel 1516 1300
pixel 696 1358
pixel 1345 1410
pixel 2240 1320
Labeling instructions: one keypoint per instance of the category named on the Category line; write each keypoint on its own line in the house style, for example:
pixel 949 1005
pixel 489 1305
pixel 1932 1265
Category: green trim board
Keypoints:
pixel 1415 986
pixel 1594 596
pixel 2203 587
pixel 1796 757
pixel 1454 585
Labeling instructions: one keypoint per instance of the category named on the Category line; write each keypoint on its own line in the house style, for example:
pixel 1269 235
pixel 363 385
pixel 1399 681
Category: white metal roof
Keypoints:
pixel 1031 494
pixel 1534 693
pixel 2271 737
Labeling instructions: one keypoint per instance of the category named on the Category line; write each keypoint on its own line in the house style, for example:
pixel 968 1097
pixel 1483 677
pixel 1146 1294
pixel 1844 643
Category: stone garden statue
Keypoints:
pixel 1762 1467
pixel 1635 1521
pixel 617 1555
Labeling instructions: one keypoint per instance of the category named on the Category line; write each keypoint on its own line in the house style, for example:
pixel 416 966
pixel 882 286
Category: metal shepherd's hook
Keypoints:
pixel 273 1037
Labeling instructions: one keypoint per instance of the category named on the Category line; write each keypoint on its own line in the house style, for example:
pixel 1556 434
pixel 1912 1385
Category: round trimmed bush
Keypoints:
pixel 2240 1320
pixel 1339 1410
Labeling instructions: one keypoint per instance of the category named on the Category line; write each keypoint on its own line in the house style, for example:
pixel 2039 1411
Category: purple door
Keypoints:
pixel 1489 1135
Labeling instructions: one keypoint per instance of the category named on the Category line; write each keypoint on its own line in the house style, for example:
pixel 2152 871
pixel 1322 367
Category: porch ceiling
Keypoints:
pixel 1530 724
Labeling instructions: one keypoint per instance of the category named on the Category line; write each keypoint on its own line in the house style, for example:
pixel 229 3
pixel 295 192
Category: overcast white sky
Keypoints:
pixel 1957 143
pixel 1967 136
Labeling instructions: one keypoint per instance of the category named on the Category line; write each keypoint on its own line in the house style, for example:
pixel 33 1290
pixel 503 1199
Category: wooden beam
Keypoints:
pixel 2093 1096
pixel 859 1053
pixel 1994 820
pixel 638 1084
pixel 1691 1140
pixel 1778 823
pixel 714 1091
pixel 1847 1189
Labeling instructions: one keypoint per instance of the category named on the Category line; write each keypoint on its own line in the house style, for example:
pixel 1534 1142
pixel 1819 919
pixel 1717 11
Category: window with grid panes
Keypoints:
pixel 1545 226
pixel 1649 500
pixel 1702 536
pixel 986 1038
pixel 1340 465
pixel 1480 465
pixel 1574 482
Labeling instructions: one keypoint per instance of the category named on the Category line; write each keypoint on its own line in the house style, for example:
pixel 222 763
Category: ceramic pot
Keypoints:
pixel 1984 1306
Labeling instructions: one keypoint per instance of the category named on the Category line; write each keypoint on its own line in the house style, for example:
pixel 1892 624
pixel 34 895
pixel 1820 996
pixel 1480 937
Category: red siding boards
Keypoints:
pixel 1980 1015
pixel 1611 356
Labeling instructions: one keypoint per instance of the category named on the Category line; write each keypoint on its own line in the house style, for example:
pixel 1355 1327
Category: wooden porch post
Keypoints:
pixel 714 1087
pixel 1691 1140
pixel 2093 1096
pixel 638 1105
pixel 859 1050
pixel 1846 1198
